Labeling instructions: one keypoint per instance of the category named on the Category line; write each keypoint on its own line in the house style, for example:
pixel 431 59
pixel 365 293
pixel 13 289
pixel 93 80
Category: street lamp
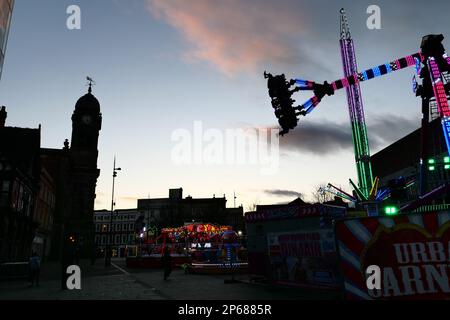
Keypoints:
pixel 111 231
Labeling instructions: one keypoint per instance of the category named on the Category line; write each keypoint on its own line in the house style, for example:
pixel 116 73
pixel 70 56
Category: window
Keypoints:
pixel 130 238
pixel 117 239
pixel 118 227
pixel 103 239
pixel 97 227
pixel 124 238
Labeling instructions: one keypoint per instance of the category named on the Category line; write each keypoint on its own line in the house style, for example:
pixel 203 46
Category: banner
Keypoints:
pixel 305 259
pixel 412 252
pixel 289 212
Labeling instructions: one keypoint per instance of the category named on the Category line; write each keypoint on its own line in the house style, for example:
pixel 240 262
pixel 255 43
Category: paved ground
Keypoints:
pixel 118 282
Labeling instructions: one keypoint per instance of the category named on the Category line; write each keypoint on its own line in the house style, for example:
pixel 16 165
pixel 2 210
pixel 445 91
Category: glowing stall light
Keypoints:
pixel 391 211
pixel 431 164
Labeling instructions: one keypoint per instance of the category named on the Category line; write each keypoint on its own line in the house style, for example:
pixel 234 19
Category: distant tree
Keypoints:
pixel 319 196
pixel 252 206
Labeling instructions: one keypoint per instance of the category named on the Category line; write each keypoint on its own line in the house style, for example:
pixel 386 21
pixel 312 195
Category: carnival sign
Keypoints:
pixel 410 252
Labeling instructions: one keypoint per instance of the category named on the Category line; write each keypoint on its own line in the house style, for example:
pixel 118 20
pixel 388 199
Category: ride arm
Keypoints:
pixel 320 90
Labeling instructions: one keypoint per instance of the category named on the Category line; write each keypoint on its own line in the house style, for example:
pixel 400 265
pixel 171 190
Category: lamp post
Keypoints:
pixel 108 253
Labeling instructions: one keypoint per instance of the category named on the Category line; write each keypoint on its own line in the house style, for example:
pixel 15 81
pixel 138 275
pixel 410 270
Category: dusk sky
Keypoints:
pixel 161 65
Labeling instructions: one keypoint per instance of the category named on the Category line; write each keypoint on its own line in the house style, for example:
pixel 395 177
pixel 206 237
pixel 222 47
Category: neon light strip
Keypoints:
pixel 226 264
pixel 341 191
pixel 446 128
pixel 358 192
pixel 381 70
pixel 438 88
pixel 417 66
pixel 363 76
pixel 304 83
pixel 382 195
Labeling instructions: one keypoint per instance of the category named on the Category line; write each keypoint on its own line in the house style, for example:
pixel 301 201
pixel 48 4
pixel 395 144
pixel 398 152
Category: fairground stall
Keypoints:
pixel 198 247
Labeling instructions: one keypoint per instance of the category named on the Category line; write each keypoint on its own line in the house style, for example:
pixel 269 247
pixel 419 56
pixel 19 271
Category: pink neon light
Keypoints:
pixel 410 60
pixel 355 76
pixel 334 86
pixel 398 64
pixel 345 82
pixel 439 90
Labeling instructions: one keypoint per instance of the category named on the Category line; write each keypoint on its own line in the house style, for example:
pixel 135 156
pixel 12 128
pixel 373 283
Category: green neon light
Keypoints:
pixel 431 168
pixel 431 161
pixel 390 211
pixel 447 167
pixel 361 148
pixel 446 159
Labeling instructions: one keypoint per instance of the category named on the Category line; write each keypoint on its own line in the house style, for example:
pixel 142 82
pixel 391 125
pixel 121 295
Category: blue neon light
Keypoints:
pixel 388 67
pixel 417 66
pixel 301 82
pixel 308 105
pixel 376 72
pixel 365 77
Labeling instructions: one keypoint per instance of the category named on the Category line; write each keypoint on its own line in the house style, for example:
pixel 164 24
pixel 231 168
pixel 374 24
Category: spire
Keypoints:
pixel 345 29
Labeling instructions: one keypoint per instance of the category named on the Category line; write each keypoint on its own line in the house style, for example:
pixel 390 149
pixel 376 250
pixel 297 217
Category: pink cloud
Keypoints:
pixel 234 35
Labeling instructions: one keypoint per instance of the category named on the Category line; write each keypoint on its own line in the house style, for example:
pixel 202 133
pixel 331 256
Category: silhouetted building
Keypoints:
pixel 123 229
pixel 174 211
pixel 402 158
pixel 83 154
pixel 6 8
pixel 19 187
pixel 234 217
pixel 47 195
pixel 45 211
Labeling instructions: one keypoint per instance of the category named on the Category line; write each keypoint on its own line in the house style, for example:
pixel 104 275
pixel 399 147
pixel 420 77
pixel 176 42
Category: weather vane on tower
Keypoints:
pixel 91 83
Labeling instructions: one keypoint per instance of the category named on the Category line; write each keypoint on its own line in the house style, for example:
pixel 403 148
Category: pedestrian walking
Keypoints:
pixel 35 268
pixel 167 263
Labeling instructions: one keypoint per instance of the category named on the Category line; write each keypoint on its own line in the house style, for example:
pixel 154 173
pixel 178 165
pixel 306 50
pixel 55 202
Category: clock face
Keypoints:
pixel 86 119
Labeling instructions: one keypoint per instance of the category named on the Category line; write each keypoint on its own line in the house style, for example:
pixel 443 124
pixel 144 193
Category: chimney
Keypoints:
pixel 3 115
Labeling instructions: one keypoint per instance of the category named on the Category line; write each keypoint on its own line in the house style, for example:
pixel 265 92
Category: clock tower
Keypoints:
pixel 86 125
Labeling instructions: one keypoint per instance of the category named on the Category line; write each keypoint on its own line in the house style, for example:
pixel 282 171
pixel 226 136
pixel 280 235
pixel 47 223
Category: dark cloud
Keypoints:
pixel 386 129
pixel 327 137
pixel 283 193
